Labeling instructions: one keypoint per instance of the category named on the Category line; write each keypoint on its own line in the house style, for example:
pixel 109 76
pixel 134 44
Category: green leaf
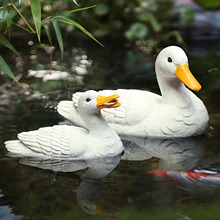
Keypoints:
pixel 116 24
pixel 120 2
pixel 36 13
pixel 153 21
pixel 102 31
pixel 4 41
pixel 77 25
pixel 137 31
pixel 5 3
pixel 7 15
pixel 147 16
pixel 211 4
pixel 5 68
pixel 78 9
pixel 102 9
pixel 75 2
pixel 58 35
pixel 187 15
pixel 47 30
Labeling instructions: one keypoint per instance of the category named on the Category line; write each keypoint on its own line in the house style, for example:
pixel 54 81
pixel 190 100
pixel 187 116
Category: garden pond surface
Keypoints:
pixel 112 188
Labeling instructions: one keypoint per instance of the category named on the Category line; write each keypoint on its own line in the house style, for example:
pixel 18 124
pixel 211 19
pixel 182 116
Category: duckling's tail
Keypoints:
pixel 14 146
pixel 17 148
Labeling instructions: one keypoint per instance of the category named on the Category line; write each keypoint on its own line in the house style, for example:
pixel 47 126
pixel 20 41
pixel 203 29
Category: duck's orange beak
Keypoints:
pixel 108 101
pixel 184 74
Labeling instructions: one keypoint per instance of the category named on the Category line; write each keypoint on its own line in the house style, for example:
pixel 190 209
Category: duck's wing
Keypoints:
pixel 134 107
pixel 68 109
pixel 59 141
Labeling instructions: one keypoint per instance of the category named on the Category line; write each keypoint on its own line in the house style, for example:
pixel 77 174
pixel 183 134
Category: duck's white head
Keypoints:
pixel 172 62
pixel 90 102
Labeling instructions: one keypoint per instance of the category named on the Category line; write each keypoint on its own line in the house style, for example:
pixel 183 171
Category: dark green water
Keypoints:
pixel 117 188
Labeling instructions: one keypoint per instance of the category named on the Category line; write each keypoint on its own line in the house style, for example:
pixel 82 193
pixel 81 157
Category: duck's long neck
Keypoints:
pixel 174 92
pixel 96 124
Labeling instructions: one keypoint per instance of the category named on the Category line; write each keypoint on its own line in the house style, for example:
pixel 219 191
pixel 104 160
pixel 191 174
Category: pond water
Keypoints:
pixel 122 187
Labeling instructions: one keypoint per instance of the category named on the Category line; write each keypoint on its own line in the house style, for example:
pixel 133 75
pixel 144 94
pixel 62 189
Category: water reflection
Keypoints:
pixel 178 153
pixel 97 167
pixel 87 194
pixel 6 211
pixel 175 154
pixel 178 186
pixel 175 175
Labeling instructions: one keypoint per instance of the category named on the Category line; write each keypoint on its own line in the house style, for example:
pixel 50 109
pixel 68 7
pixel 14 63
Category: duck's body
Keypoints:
pixel 63 141
pixel 176 113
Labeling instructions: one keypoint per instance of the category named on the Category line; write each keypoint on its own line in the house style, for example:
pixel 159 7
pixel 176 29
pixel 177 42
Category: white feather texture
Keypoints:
pixel 63 141
pixel 177 112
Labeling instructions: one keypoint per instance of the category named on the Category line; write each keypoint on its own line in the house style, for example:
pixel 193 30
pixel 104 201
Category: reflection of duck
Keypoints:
pixel 176 171
pixel 98 167
pixel 87 194
pixel 175 153
pixel 177 113
pixel 70 141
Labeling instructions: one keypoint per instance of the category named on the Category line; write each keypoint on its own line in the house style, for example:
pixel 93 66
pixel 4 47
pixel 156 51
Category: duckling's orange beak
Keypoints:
pixel 108 101
pixel 184 74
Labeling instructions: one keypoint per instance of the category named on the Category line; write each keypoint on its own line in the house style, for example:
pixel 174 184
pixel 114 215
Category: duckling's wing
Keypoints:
pixel 68 109
pixel 60 141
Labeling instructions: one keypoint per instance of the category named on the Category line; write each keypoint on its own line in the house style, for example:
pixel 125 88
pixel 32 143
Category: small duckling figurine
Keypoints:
pixel 177 112
pixel 64 141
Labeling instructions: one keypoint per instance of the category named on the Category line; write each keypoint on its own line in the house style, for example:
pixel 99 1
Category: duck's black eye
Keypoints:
pixel 88 99
pixel 169 59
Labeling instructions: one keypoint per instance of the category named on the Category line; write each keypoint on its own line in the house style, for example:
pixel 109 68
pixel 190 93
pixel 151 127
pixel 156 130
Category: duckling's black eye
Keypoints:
pixel 88 99
pixel 169 59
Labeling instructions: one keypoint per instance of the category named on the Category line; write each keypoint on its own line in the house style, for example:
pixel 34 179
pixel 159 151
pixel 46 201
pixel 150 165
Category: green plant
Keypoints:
pixel 211 4
pixel 148 23
pixel 132 19
pixel 12 13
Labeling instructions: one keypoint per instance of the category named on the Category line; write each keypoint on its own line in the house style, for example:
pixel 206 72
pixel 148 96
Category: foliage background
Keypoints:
pixel 142 20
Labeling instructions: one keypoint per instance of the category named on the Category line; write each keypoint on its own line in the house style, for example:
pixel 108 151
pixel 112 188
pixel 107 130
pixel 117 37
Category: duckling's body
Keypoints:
pixel 176 113
pixel 63 141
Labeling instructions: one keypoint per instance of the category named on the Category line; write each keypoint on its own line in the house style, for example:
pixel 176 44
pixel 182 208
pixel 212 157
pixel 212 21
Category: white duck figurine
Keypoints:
pixel 63 141
pixel 176 113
